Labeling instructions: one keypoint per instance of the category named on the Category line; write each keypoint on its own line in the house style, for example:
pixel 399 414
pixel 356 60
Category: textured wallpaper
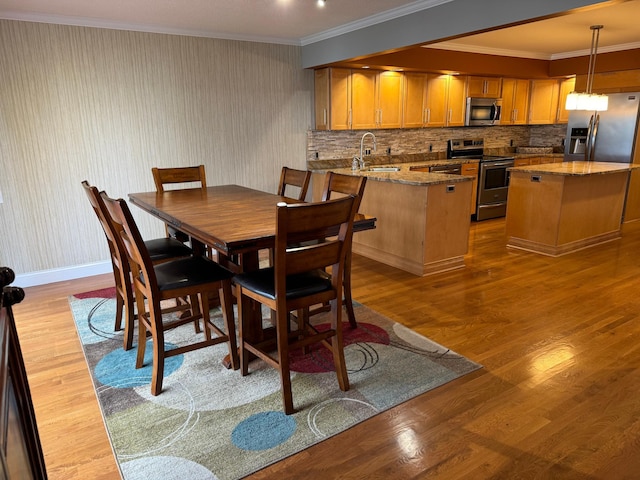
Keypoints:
pixel 106 105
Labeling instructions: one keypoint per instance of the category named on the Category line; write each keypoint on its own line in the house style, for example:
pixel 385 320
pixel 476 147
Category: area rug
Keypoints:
pixel 212 423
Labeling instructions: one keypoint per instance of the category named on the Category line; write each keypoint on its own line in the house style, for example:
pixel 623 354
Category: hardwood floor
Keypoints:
pixel 559 339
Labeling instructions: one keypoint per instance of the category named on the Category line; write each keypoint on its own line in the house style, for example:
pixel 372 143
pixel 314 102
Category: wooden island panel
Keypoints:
pixel 554 213
pixel 421 228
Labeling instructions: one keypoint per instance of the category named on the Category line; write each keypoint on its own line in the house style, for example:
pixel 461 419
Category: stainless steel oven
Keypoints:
pixel 493 176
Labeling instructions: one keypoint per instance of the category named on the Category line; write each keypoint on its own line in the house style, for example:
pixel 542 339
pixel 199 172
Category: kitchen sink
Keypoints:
pixel 384 168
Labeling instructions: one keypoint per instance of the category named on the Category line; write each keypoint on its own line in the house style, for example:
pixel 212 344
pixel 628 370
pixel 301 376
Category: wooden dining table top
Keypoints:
pixel 229 218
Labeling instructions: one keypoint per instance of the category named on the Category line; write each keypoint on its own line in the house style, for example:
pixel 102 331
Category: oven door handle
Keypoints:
pixel 501 164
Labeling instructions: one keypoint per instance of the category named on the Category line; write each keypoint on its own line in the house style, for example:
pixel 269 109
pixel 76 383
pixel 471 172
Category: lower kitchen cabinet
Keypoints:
pixel 471 170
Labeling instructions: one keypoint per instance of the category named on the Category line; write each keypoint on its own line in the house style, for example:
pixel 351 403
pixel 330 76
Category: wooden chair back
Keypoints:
pixel 168 176
pixel 345 185
pixel 295 178
pixel 124 225
pixel 121 270
pixel 306 239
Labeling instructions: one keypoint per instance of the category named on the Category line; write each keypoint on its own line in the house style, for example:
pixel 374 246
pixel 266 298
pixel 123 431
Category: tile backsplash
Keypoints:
pixel 341 144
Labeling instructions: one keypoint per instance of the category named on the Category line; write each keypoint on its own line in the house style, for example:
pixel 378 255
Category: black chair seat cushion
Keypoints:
pixel 299 285
pixel 189 271
pixel 164 248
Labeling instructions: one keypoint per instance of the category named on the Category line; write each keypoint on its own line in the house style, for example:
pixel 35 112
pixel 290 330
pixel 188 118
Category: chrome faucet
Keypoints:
pixel 361 158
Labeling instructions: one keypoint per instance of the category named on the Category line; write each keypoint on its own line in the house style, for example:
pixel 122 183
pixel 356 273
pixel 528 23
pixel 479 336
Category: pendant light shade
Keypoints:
pixel 588 100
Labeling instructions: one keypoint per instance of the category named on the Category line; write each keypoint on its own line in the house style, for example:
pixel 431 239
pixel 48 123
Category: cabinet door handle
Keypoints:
pixel 324 116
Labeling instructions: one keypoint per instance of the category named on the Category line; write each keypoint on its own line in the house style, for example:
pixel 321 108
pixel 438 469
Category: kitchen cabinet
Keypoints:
pixel 471 170
pixel 486 87
pixel 566 87
pixel 357 99
pixel 389 100
pixel 519 162
pixel 515 101
pixel 445 100
pixel 422 227
pixel 333 99
pixel 582 204
pixel 415 100
pixel 363 101
pixel 543 104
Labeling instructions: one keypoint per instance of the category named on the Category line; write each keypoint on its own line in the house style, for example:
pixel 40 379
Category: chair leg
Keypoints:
pixel 129 322
pixel 119 308
pixel 337 346
pixel 348 301
pixel 242 330
pixel 226 304
pixel 157 336
pixel 283 361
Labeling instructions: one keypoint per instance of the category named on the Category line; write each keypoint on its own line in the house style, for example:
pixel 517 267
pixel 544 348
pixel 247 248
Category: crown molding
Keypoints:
pixel 461 47
pixel 98 23
pixel 373 20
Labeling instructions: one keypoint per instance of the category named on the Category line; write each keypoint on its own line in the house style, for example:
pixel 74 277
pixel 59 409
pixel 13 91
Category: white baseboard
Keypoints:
pixel 61 274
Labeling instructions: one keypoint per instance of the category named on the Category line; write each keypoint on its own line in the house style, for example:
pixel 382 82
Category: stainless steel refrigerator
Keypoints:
pixel 607 136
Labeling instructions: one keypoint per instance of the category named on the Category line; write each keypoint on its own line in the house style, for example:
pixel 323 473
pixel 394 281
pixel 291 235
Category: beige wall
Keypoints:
pixel 105 105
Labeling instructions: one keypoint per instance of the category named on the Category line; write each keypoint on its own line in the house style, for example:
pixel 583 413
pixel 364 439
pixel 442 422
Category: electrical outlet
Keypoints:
pixel 431 147
pixel 389 151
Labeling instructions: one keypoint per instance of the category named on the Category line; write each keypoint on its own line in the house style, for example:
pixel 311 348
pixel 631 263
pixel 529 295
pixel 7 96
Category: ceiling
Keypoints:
pixel 300 22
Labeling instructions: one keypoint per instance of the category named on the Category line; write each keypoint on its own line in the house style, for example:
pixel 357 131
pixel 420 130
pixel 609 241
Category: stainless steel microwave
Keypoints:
pixel 483 111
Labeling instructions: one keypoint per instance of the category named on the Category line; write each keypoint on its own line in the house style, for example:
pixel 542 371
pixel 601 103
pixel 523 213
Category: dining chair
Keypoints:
pixel 291 177
pixel 295 178
pixel 337 183
pixel 178 175
pixel 195 277
pixel 303 250
pixel 160 250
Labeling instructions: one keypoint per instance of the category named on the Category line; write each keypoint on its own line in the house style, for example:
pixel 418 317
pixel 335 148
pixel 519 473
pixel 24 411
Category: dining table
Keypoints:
pixel 234 221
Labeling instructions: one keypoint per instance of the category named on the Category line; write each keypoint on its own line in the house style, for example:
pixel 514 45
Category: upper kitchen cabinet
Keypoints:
pixel 363 99
pixel 486 87
pixel 566 87
pixel 445 100
pixel 543 104
pixel 376 99
pixel 415 100
pixel 515 101
pixel 357 99
pixel 333 99
pixel 389 97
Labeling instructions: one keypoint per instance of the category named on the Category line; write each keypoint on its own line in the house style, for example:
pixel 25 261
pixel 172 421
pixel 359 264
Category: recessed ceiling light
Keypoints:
pixel 322 3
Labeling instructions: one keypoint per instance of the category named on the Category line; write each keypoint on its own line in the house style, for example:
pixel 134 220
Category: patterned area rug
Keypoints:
pixel 212 423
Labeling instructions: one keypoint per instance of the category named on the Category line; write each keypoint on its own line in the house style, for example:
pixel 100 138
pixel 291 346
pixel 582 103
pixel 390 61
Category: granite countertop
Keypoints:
pixel 575 168
pixel 406 176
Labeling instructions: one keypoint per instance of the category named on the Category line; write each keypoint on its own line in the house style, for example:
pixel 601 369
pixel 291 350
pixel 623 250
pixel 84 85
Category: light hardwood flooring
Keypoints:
pixel 559 339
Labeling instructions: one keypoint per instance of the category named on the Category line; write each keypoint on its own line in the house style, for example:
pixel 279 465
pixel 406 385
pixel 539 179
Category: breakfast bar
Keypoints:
pixel 423 218
pixel 558 208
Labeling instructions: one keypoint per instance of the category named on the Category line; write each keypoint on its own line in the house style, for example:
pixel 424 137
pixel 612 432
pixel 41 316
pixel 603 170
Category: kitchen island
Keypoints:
pixel 558 208
pixel 423 218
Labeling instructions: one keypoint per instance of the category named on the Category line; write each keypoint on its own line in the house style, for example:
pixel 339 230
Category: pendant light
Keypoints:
pixel 588 100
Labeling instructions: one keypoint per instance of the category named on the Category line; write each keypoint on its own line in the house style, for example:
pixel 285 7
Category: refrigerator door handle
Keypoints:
pixel 594 135
pixel 587 149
